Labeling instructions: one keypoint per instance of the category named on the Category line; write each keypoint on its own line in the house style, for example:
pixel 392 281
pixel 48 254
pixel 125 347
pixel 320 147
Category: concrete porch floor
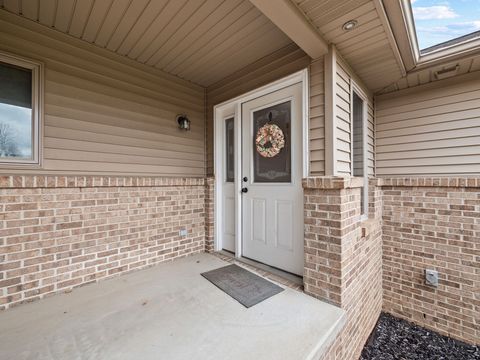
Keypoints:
pixel 167 312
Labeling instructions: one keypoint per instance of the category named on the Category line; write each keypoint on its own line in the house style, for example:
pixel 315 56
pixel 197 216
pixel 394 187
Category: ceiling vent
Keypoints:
pixel 446 72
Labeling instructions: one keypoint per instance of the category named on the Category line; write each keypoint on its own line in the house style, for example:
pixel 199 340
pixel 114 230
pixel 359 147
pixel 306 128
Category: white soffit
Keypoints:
pixel 434 73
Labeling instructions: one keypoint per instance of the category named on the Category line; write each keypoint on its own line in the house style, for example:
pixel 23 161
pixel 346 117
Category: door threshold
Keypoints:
pixel 291 278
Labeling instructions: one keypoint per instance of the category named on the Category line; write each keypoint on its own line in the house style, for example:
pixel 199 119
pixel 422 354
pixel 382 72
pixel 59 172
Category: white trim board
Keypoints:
pixel 234 107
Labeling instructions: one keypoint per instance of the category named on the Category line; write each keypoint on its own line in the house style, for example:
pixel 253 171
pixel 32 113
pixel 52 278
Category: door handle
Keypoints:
pixel 244 190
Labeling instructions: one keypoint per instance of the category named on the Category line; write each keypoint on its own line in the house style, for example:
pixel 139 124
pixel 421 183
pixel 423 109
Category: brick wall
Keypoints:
pixel 210 214
pixel 433 223
pixel 343 257
pixel 57 232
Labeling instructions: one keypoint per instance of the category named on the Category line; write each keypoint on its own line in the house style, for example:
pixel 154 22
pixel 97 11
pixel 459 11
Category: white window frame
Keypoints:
pixel 443 54
pixel 361 94
pixel 37 111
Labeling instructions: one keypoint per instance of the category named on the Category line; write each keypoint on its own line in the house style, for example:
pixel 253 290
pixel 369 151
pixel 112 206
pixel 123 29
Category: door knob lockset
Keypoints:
pixel 244 190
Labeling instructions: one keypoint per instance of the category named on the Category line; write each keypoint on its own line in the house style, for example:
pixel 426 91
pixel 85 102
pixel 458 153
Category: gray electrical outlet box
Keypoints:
pixel 431 277
pixel 183 232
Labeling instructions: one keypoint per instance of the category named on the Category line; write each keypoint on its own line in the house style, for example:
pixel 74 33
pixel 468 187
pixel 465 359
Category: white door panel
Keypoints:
pixel 272 207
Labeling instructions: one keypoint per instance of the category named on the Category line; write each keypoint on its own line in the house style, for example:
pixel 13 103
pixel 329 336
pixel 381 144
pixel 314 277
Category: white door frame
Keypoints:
pixel 234 107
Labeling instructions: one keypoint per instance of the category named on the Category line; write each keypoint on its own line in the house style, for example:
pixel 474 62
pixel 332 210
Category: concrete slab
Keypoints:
pixel 167 312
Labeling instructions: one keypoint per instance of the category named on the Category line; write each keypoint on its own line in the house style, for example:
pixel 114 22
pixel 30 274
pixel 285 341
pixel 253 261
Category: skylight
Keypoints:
pixel 440 23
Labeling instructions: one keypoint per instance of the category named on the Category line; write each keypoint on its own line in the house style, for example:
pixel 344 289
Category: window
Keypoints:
pixel 19 111
pixel 230 150
pixel 359 147
pixel 442 25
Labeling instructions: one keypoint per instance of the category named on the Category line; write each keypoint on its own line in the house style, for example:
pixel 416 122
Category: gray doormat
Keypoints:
pixel 242 285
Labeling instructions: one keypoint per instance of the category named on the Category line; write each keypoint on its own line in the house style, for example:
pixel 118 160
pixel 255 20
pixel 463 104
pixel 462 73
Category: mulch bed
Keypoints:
pixel 395 339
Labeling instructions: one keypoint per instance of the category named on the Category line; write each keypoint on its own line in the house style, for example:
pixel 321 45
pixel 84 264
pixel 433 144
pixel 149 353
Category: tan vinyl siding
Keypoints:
pixel 103 114
pixel 371 139
pixel 342 116
pixel 430 130
pixel 342 121
pixel 273 67
pixel 317 118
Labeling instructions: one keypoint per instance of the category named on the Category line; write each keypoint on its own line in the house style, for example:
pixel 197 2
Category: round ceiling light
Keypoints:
pixel 350 25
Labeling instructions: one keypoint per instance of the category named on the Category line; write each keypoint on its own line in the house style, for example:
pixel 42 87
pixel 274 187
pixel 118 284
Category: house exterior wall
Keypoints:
pixel 108 116
pixel 426 137
pixel 316 136
pixel 433 223
pixel 340 80
pixel 105 114
pixel 282 63
pixel 90 212
pixel 61 232
pixel 343 257
pixel 435 226
pixel 432 129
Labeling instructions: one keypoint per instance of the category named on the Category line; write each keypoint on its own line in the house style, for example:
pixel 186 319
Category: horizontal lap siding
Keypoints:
pixel 103 116
pixel 279 64
pixel 342 121
pixel 317 118
pixel 371 139
pixel 343 90
pixel 434 129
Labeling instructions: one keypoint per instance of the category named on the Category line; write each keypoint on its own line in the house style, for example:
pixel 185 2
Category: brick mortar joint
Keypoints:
pixel 93 181
pixel 434 181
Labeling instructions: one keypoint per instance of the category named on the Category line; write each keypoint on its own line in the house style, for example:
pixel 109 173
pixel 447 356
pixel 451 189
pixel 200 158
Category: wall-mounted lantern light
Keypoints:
pixel 183 122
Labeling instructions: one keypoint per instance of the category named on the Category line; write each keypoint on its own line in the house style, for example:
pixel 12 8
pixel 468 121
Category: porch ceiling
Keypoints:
pixel 430 74
pixel 368 48
pixel 200 41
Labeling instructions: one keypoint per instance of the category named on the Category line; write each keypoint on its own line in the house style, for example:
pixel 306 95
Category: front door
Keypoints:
pixel 272 196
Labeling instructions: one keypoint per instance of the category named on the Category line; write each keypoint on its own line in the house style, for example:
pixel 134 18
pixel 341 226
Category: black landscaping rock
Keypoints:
pixel 395 339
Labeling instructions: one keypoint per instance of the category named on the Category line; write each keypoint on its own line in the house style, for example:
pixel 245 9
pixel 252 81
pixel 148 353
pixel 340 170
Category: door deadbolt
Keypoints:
pixel 245 179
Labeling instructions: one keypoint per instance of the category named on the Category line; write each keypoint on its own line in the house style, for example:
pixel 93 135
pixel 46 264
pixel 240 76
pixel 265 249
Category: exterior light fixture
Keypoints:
pixel 183 122
pixel 350 25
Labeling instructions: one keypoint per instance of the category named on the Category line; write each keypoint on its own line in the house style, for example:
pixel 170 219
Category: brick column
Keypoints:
pixel 343 256
pixel 209 214
pixel 332 214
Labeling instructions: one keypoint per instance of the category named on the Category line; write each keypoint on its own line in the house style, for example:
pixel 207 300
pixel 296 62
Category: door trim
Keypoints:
pixel 234 107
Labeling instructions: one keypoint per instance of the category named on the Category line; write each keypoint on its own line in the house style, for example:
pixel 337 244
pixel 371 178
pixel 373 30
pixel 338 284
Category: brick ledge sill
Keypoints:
pixel 459 182
pixel 332 182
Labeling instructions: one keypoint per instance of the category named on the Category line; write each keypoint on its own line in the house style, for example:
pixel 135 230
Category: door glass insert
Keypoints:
pixel 272 144
pixel 229 150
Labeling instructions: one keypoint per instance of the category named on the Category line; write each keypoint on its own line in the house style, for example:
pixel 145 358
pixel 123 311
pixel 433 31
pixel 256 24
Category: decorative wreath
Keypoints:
pixel 270 140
